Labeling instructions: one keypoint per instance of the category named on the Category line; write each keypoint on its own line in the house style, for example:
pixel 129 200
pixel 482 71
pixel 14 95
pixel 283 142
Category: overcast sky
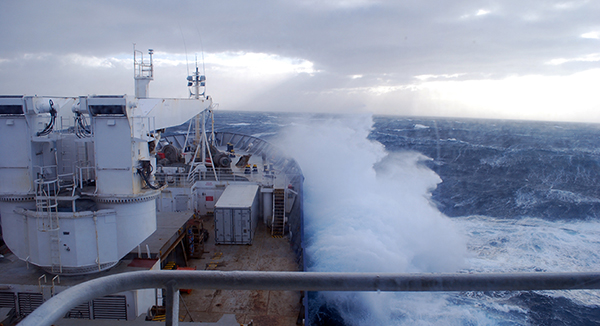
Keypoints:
pixel 490 59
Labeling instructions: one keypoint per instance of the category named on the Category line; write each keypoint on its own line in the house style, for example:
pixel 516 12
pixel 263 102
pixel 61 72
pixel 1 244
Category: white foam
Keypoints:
pixel 532 244
pixel 367 210
pixel 264 134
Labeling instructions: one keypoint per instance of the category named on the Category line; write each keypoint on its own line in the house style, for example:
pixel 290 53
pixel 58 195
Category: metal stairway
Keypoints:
pixel 278 223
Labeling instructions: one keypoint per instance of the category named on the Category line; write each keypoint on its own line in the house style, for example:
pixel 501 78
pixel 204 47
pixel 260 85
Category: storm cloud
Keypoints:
pixel 457 58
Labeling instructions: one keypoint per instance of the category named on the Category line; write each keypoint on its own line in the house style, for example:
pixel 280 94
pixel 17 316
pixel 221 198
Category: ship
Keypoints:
pixel 98 185
pixel 110 204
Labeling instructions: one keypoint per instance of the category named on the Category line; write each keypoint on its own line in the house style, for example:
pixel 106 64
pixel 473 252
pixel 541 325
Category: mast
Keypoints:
pixel 143 72
pixel 196 81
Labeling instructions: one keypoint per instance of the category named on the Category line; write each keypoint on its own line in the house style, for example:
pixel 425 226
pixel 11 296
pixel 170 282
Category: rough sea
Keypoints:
pixel 405 194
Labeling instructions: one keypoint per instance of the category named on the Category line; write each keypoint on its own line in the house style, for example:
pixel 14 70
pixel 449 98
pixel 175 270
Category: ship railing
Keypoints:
pixel 141 67
pixel 66 125
pixel 46 172
pixel 59 305
pixel 46 202
pixel 284 180
pixel 218 174
pixel 83 173
pixel 183 180
pixel 49 185
pixel 172 179
pixel 49 174
pixel 266 179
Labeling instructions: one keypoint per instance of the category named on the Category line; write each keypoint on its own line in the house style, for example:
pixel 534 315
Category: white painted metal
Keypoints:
pixel 15 169
pixel 55 308
pixel 267 194
pixel 238 196
pixel 143 72
pixel 206 194
pixel 115 169
pixel 236 214
pixel 169 112
pixel 102 167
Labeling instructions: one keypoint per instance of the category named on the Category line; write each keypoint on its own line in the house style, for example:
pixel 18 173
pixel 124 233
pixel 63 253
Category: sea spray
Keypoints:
pixel 367 210
pixel 534 245
pixel 529 209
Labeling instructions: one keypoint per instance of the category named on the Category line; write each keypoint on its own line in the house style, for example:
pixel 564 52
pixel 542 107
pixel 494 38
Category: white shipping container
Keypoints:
pixel 236 214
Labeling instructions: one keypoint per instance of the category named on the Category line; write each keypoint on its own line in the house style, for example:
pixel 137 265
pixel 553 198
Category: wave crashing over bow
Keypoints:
pixel 367 210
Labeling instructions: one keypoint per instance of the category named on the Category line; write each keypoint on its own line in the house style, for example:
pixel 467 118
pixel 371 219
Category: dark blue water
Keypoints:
pixel 505 168
pixel 524 196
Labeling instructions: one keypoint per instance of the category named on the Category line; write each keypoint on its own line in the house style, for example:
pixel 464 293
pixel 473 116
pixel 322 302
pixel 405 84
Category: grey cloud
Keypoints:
pixel 393 41
pixel 412 38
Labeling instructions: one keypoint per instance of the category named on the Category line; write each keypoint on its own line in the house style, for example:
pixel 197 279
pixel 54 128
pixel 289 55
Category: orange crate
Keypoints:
pixel 188 291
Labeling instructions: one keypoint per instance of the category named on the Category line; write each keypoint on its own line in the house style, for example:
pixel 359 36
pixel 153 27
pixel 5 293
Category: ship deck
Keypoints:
pixel 200 306
pixel 261 307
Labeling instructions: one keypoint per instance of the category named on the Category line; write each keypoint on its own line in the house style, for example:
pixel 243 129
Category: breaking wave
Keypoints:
pixel 367 210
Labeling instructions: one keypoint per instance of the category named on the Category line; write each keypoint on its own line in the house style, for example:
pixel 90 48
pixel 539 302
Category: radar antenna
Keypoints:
pixel 195 82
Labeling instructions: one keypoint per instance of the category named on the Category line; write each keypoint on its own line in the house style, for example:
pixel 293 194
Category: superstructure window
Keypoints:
pixel 11 109
pixel 107 109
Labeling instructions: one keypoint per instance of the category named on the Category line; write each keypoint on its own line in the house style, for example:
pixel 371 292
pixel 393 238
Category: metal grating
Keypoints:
pixel 28 302
pixel 110 307
pixel 7 300
pixel 82 311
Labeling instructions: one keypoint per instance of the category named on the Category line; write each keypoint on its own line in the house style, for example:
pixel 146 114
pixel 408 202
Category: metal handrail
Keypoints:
pixel 59 305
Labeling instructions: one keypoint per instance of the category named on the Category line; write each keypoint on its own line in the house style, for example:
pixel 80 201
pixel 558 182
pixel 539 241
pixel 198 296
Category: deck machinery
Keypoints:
pixel 82 179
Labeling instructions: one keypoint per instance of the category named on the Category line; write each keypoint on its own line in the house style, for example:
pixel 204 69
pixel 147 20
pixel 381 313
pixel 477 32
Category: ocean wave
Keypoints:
pixel 539 182
pixel 570 197
pixel 532 245
pixel 264 134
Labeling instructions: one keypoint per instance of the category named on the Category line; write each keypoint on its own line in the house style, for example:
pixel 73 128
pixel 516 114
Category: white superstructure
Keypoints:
pixel 96 185
pixel 77 191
